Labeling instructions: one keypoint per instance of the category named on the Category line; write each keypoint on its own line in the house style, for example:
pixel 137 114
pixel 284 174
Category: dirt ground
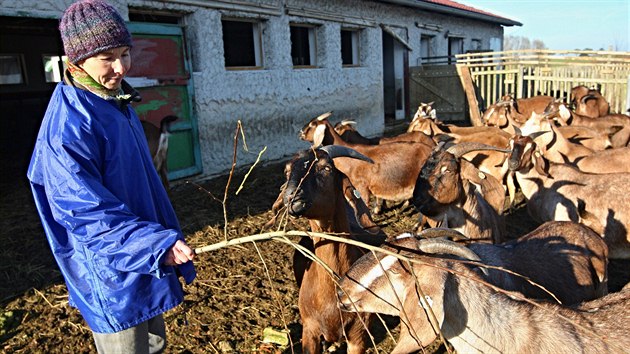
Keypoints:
pixel 239 292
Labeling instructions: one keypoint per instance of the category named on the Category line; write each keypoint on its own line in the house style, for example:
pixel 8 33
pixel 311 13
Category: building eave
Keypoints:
pixel 448 10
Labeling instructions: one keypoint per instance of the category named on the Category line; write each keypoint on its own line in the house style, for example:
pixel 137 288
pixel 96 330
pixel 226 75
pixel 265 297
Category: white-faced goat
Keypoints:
pixel 563 192
pixel 157 138
pixel 442 290
pixel 452 192
pixel 316 190
pixel 391 176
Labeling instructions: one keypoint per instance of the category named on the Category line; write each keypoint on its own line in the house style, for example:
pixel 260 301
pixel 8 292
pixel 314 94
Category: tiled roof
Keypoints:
pixel 454 8
pixel 457 5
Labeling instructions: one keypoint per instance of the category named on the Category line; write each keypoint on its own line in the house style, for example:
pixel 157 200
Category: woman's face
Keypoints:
pixel 108 68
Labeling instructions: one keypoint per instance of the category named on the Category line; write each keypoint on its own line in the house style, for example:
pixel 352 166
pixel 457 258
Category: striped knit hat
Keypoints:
pixel 89 27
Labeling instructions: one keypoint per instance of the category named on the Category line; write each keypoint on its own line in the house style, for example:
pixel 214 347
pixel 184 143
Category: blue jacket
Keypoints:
pixel 105 212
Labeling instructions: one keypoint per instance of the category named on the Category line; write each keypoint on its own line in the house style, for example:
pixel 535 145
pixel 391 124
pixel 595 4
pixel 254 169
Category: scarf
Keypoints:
pixel 81 77
pixel 77 77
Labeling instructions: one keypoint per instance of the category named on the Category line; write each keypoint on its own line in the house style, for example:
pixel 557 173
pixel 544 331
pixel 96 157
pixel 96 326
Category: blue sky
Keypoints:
pixel 565 24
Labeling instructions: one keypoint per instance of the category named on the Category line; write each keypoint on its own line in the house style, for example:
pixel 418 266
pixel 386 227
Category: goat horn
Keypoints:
pixel 343 151
pixel 436 232
pixel 348 122
pixel 324 116
pixel 463 148
pixel 440 245
pixel 517 130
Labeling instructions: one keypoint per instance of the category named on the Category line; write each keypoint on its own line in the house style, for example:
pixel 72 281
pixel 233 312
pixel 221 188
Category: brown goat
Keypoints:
pixel 348 132
pixel 621 122
pixel 439 294
pixel 606 161
pixel 510 112
pixel 318 191
pixel 451 192
pixel 589 102
pixel 157 138
pixel 562 192
pixel 396 165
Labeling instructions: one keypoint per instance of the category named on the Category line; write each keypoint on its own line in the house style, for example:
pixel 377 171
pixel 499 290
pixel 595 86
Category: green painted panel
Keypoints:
pixel 180 150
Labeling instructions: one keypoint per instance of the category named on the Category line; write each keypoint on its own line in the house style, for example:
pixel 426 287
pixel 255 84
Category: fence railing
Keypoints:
pixel 526 73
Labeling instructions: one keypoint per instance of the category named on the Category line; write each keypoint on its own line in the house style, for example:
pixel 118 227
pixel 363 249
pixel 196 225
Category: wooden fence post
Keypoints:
pixel 469 88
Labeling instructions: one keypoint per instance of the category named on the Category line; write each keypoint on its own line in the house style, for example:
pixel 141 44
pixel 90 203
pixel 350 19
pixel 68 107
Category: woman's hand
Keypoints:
pixel 180 253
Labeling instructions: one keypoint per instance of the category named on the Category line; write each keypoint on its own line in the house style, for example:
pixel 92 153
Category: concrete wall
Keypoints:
pixel 275 102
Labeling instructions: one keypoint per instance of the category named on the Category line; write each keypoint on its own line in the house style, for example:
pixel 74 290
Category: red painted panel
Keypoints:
pixel 156 56
pixel 160 101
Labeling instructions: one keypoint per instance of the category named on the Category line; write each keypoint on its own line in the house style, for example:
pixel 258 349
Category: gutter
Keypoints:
pixel 422 5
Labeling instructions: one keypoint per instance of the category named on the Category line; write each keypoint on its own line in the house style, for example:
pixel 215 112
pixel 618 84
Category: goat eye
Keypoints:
pixel 327 168
pixel 444 169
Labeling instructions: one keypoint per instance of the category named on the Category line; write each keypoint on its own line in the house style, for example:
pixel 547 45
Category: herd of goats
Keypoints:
pixel 456 276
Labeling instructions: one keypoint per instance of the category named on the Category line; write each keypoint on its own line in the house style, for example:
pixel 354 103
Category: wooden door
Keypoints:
pixel 161 73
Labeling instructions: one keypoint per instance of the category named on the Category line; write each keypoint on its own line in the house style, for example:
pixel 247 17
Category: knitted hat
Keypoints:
pixel 89 27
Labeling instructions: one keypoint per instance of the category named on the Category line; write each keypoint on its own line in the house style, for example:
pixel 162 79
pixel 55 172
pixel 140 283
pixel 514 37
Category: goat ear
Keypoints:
pixel 318 136
pixel 564 112
pixel 542 166
pixel 491 189
pixel 360 209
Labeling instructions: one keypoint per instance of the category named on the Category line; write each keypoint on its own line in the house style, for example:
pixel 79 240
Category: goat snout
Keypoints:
pixel 295 201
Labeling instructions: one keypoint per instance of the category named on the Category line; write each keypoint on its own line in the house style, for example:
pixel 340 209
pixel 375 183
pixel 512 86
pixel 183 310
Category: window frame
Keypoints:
pixel 355 35
pixel 18 63
pixel 258 44
pixel 57 63
pixel 312 44
pixel 429 39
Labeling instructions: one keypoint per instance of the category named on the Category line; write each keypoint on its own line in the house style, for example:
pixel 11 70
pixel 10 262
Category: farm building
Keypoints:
pixel 270 64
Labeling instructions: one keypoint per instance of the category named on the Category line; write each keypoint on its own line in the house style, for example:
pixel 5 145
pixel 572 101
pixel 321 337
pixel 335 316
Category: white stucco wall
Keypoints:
pixel 275 102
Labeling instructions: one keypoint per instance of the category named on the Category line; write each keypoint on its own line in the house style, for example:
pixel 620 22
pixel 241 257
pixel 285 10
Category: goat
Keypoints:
pixel 554 146
pixel 396 165
pixel 606 161
pixel 318 191
pixel 450 190
pixel 348 132
pixel 510 112
pixel 621 122
pixel 557 148
pixel 589 102
pixel 157 138
pixel 433 127
pixel 487 161
pixel 438 294
pixel 563 192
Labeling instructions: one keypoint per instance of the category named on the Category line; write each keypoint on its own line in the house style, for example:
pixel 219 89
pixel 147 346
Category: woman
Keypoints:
pixel 107 217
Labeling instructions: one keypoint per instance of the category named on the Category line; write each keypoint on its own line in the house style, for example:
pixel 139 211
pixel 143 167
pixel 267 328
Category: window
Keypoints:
pixel 455 46
pixel 349 47
pixel 11 72
pixel 242 44
pixel 303 48
pixel 426 48
pixel 52 69
pixel 475 44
